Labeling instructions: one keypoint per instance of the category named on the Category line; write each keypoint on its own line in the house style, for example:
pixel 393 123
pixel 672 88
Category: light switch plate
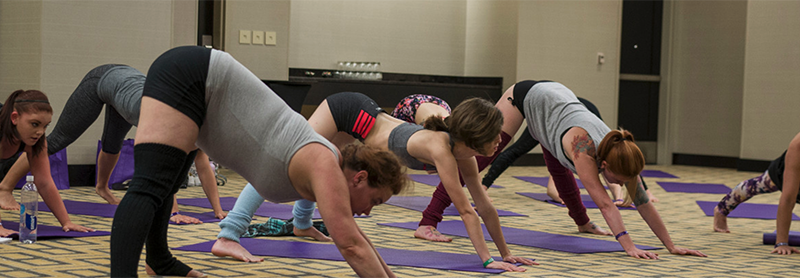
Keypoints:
pixel 258 37
pixel 270 38
pixel 244 37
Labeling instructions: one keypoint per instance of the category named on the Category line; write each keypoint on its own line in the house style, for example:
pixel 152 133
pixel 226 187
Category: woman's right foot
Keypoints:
pixel 591 228
pixel 226 247
pixel 192 273
pixel 312 233
pixel 720 222
pixel 7 201
pixel 430 233
pixel 107 195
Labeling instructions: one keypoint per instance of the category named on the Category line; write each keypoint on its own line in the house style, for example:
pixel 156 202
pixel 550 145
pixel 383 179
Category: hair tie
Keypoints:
pixel 32 100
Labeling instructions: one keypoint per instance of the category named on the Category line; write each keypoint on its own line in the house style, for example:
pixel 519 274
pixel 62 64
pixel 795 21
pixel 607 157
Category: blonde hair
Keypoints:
pixel 622 156
pixel 475 122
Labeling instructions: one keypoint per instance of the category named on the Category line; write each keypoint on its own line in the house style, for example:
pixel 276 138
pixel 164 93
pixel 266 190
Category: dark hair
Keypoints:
pixel 383 168
pixel 475 122
pixel 621 155
pixel 23 102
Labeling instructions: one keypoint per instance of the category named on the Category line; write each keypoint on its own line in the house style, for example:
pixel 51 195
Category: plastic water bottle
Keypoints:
pixel 28 212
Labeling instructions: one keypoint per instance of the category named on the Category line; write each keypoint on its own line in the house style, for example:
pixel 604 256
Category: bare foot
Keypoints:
pixel 7 201
pixel 430 233
pixel 107 195
pixel 591 228
pixel 312 233
pixel 652 197
pixel 192 273
pixel 720 222
pixel 226 247
pixel 554 196
pixel 6 232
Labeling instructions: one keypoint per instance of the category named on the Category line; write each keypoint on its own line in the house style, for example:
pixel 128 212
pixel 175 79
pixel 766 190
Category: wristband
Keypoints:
pixel 621 234
pixel 487 262
pixel 779 244
pixel 174 213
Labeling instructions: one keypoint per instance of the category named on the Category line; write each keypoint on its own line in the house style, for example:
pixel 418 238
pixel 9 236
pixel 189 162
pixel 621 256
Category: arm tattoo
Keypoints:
pixel 641 195
pixel 583 144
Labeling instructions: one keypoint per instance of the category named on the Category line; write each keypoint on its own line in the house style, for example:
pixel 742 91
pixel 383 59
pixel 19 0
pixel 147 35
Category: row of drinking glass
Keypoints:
pixel 360 66
pixel 359 75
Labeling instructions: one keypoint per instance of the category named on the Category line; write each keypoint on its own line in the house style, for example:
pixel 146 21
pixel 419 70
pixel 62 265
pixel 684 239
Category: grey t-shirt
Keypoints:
pixel 121 88
pixel 551 109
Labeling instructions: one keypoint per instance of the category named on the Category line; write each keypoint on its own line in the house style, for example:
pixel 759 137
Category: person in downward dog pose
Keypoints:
pixel 199 97
pixel 450 145
pixel 782 175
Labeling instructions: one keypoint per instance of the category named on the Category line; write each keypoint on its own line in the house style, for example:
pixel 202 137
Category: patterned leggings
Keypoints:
pixel 406 110
pixel 746 190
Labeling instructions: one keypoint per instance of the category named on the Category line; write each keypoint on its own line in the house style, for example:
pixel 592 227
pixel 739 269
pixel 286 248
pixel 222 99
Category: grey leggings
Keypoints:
pixel 81 110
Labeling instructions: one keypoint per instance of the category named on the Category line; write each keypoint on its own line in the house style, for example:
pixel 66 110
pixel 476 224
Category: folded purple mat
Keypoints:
pixel 712 188
pixel 794 238
pixel 51 232
pixel 745 210
pixel 587 200
pixel 657 174
pixel 564 243
pixel 206 217
pixel 433 180
pixel 420 203
pixel 267 209
pixel 320 251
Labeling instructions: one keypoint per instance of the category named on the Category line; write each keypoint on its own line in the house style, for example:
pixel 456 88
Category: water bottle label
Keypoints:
pixel 30 222
pixel 21 209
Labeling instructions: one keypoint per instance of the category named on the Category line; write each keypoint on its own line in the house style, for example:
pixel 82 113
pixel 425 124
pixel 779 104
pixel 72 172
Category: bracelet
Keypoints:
pixel 487 262
pixel 621 234
pixel 779 244
pixel 174 213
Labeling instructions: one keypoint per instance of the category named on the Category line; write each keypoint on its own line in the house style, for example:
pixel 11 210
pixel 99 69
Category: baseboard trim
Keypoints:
pixel 747 165
pixel 81 174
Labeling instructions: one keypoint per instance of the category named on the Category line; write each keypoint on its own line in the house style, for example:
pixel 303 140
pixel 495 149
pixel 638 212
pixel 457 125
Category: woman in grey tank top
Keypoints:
pixel 567 132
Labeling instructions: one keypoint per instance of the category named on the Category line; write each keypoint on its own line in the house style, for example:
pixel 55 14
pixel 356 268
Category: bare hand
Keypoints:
pixel 75 227
pixel 6 232
pixel 180 218
pixel 505 266
pixel 684 251
pixel 785 250
pixel 220 215
pixel 514 259
pixel 641 254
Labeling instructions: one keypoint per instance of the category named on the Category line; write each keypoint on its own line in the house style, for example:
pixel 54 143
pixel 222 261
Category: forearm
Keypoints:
pixel 784 217
pixel 614 220
pixel 210 186
pixel 53 200
pixel 475 233
pixel 492 222
pixel 363 259
pixel 653 219
pixel 383 263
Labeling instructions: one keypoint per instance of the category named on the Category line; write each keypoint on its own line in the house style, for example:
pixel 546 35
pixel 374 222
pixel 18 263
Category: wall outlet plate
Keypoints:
pixel 245 37
pixel 270 38
pixel 258 37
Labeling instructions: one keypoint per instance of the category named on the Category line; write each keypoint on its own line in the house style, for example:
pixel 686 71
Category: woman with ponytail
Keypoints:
pixel 568 133
pixel 23 121
pixel 449 145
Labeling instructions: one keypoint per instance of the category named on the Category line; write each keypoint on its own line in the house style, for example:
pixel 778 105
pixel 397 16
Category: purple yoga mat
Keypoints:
pixel 420 203
pixel 564 243
pixel 794 238
pixel 433 180
pixel 107 210
pixel 51 232
pixel 320 251
pixel 267 209
pixel 713 188
pixel 206 217
pixel 755 211
pixel 543 181
pixel 657 174
pixel 587 200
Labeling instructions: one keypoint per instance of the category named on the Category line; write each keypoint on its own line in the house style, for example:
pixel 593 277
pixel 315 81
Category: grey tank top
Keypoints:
pixel 551 109
pixel 249 129
pixel 398 144
pixel 121 87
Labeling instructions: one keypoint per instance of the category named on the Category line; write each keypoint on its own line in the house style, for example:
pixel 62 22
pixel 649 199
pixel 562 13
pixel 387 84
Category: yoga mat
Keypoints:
pixel 51 232
pixel 319 251
pixel 420 203
pixel 564 243
pixel 657 174
pixel 267 209
pixel 587 200
pixel 206 217
pixel 433 180
pixel 107 210
pixel 713 188
pixel 543 181
pixel 745 210
pixel 794 238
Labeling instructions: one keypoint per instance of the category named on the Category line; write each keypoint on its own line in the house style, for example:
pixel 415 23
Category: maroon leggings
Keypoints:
pixel 565 184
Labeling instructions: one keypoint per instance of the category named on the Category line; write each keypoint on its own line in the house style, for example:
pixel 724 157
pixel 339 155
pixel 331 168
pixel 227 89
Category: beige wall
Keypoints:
pixel 491 40
pixel 707 68
pixel 269 62
pixel 771 113
pixel 421 37
pixel 559 41
pixel 20 46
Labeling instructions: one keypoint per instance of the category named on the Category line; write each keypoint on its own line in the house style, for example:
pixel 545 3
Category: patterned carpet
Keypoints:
pixel 738 254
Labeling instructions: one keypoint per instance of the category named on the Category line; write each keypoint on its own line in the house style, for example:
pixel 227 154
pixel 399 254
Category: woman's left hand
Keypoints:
pixel 75 227
pixel 684 251
pixel 514 259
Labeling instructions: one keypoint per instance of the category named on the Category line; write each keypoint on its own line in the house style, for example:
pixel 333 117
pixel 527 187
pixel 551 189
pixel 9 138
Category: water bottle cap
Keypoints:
pixel 29 178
